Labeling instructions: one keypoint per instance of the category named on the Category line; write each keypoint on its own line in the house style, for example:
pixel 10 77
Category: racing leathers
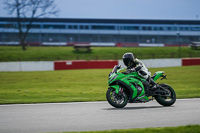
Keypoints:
pixel 143 72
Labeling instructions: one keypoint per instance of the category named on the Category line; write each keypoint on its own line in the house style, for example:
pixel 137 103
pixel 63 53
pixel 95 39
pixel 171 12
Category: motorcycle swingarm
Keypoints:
pixel 160 93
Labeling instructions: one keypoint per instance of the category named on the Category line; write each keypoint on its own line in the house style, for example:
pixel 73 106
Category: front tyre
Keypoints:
pixel 169 98
pixel 116 100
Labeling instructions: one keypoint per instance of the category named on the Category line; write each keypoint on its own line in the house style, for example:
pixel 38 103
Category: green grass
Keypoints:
pixel 15 53
pixel 179 129
pixel 83 85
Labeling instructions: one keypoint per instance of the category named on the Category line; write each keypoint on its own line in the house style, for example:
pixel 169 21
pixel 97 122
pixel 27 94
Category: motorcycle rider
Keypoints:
pixel 133 64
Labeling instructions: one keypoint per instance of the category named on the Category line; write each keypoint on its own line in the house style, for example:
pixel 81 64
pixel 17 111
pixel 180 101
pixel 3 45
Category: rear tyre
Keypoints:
pixel 170 97
pixel 116 100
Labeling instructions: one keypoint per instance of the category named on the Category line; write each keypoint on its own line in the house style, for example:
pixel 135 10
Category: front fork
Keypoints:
pixel 121 90
pixel 118 89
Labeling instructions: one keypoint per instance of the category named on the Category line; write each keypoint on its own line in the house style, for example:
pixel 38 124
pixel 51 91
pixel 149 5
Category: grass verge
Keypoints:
pixel 83 85
pixel 15 53
pixel 179 129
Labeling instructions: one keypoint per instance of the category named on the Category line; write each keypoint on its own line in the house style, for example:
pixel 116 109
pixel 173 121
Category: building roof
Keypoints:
pixel 117 21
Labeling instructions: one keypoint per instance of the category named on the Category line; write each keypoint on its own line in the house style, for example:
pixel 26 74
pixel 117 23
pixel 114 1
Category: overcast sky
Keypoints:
pixel 125 9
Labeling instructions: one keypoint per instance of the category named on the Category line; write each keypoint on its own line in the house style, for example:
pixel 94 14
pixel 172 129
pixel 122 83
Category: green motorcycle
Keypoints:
pixel 129 87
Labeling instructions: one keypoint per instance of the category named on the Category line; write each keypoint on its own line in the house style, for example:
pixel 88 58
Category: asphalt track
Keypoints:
pixel 92 116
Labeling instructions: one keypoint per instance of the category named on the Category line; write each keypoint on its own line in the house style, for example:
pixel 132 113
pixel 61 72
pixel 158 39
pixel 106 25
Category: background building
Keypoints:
pixel 119 31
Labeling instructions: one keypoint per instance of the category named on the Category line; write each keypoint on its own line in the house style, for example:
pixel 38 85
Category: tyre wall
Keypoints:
pixel 190 61
pixel 27 66
pixel 154 63
pixel 83 64
pixel 95 64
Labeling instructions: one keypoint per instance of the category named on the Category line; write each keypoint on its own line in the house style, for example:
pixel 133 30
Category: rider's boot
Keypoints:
pixel 153 83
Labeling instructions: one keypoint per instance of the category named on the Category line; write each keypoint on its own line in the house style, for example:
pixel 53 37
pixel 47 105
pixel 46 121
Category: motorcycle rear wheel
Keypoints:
pixel 116 100
pixel 167 100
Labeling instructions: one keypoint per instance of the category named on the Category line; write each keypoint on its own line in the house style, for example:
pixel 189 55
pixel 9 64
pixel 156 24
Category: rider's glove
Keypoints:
pixel 130 70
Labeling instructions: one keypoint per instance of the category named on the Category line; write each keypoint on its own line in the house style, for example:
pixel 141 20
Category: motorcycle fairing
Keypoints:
pixel 157 75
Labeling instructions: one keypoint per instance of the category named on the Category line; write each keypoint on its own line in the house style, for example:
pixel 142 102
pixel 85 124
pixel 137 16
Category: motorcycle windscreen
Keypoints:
pixel 114 69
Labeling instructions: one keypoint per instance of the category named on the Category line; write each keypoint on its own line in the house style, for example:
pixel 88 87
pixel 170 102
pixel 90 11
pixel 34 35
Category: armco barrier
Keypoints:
pixel 99 44
pixel 127 44
pixel 190 61
pixel 83 64
pixel 151 45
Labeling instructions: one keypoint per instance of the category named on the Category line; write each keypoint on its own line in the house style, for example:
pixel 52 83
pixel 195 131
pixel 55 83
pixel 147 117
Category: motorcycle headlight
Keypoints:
pixel 113 77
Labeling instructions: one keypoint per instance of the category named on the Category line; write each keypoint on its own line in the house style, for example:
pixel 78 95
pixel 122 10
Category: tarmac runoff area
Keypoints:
pixel 93 116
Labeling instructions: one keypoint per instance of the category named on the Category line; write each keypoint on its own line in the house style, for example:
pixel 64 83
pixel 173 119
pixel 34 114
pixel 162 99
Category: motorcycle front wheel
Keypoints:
pixel 116 100
pixel 170 97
